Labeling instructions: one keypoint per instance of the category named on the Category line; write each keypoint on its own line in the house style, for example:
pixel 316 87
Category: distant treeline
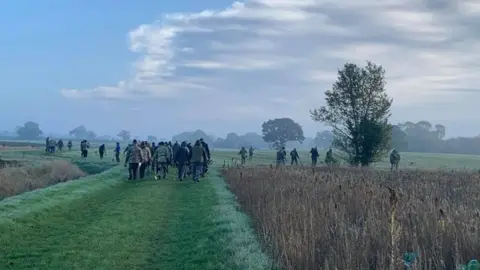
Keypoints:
pixel 406 137
pixel 425 137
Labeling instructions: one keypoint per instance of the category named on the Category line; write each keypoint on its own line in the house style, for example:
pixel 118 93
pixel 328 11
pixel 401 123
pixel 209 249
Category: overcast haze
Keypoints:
pixel 227 67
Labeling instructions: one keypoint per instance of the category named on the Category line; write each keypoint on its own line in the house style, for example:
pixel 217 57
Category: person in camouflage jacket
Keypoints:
pixel 134 158
pixel 146 157
pixel 160 157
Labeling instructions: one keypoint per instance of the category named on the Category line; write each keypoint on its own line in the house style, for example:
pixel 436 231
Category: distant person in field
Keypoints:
pixel 133 158
pixel 47 144
pixel 84 148
pixel 126 149
pixel 294 156
pixel 153 147
pixel 181 160
pixel 314 155
pixel 281 156
pixel 206 160
pixel 394 159
pixel 101 151
pixel 170 154
pixel 117 152
pixel 198 156
pixel 69 145
pixel 60 145
pixel 250 153
pixel 146 157
pixel 160 158
pixel 175 147
pixel 329 159
pixel 243 155
pixel 51 145
pixel 189 161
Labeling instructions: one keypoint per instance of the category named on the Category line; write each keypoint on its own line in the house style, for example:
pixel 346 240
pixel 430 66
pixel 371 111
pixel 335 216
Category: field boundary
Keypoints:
pixel 242 242
pixel 40 199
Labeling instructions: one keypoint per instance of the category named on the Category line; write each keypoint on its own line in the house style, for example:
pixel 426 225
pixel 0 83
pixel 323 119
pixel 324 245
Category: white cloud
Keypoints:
pixel 254 55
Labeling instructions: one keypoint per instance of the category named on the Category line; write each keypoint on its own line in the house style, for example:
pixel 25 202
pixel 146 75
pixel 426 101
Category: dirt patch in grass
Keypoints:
pixel 17 179
pixel 362 219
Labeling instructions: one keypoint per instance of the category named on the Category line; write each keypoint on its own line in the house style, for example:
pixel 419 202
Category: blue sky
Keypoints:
pixel 224 66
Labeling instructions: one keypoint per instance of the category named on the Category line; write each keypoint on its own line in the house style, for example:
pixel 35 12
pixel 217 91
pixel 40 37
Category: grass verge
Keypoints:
pixel 102 222
pixel 242 242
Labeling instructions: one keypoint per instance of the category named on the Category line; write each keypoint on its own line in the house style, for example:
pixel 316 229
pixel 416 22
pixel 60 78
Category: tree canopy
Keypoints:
pixel 279 131
pixel 81 132
pixel 152 138
pixel 324 139
pixel 124 135
pixel 29 131
pixel 192 136
pixel 358 108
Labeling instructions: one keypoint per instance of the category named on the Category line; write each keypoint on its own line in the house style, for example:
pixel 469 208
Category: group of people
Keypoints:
pixel 187 158
pixel 281 157
pixel 51 145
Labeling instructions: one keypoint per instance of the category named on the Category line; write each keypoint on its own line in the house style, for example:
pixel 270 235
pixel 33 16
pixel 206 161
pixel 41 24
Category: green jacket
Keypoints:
pixel 161 154
pixel 243 153
pixel 198 152
pixel 134 154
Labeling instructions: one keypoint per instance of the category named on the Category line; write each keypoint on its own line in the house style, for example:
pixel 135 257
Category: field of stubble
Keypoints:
pixel 361 219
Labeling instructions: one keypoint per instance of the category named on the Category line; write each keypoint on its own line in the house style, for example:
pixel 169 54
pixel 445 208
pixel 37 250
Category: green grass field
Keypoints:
pixel 105 222
pixel 420 160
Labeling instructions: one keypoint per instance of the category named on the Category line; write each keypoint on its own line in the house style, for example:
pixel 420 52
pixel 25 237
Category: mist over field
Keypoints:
pixel 255 134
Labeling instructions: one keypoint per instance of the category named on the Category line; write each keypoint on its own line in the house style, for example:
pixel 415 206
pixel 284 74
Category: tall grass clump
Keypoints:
pixel 343 218
pixel 15 180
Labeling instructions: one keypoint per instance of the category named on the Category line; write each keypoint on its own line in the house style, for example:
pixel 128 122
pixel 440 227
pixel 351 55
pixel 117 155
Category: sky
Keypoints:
pixel 164 67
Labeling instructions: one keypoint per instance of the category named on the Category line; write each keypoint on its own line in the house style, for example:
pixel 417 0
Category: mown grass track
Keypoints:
pixel 148 224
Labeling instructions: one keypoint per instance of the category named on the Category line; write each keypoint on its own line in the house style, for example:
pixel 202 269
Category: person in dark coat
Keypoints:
pixel 181 160
pixel 101 151
pixel 206 158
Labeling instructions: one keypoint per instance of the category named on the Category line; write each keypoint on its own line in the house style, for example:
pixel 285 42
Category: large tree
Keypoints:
pixel 124 135
pixel 29 131
pixel 399 139
pixel 79 132
pixel 358 109
pixel 323 139
pixel 151 138
pixel 279 131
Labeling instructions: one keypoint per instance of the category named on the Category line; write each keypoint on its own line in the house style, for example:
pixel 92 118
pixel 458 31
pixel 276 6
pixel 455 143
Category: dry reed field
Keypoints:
pixel 15 179
pixel 347 218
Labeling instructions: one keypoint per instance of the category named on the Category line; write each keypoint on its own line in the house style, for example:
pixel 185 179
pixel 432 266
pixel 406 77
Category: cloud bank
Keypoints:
pixel 271 58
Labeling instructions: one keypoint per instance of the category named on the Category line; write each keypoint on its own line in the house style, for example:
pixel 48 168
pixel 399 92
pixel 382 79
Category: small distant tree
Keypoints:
pixel 358 109
pixel 151 138
pixel 29 131
pixel 124 135
pixel 279 131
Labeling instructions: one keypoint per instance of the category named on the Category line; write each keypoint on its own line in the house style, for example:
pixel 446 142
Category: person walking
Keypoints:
pixel 243 155
pixel 146 157
pixel 181 160
pixel 117 152
pixel 294 157
pixel 161 159
pixel 133 158
pixel 198 154
pixel 101 151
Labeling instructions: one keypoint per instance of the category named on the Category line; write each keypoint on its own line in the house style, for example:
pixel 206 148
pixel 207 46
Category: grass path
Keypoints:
pixel 107 223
